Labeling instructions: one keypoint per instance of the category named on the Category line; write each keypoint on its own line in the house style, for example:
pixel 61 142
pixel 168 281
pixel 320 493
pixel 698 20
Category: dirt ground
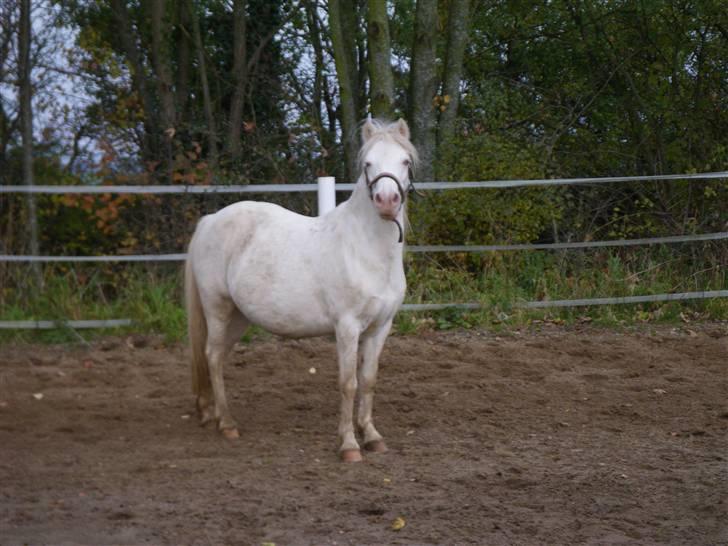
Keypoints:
pixel 558 436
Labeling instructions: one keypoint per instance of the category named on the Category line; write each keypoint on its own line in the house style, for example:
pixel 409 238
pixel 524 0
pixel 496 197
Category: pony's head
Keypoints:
pixel 386 159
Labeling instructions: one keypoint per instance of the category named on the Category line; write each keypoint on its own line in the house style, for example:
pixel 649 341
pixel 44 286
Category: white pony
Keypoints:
pixel 298 276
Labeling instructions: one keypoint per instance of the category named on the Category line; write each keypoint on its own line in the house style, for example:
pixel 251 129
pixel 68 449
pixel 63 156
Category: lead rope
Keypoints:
pixel 401 231
pixel 402 193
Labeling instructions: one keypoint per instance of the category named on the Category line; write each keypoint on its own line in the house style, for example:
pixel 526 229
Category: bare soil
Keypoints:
pixel 558 436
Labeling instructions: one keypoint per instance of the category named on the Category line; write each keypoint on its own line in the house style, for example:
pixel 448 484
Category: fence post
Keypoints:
pixel 326 194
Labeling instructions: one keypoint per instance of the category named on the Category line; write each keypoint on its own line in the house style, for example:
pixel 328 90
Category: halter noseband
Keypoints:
pixel 402 194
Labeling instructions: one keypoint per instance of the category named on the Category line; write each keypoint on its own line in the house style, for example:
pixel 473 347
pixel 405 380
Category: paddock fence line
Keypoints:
pixel 413 248
pixel 410 307
pixel 543 304
pixel 298 188
pixel 330 187
pixel 52 324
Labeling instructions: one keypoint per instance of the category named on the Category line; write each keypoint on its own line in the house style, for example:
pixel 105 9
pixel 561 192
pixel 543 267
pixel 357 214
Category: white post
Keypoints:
pixel 326 194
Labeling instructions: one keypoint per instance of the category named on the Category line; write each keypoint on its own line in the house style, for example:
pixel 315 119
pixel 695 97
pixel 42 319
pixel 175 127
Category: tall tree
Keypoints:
pixel 423 85
pixel 206 97
pixel 240 79
pixel 8 122
pixel 26 117
pixel 381 79
pixel 161 53
pixel 321 91
pixel 127 39
pixel 26 122
pixel 183 61
pixel 343 24
pixel 458 24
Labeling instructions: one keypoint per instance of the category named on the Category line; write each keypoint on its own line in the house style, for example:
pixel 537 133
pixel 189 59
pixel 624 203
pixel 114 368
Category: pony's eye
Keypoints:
pixel 406 162
pixel 367 164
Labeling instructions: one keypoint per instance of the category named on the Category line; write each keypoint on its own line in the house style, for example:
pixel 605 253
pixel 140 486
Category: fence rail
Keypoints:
pixel 413 248
pixel 294 188
pixel 543 304
pixel 297 188
pixel 74 324
pixel 412 307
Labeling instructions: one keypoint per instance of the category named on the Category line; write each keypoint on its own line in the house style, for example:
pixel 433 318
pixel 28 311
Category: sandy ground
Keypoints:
pixel 563 436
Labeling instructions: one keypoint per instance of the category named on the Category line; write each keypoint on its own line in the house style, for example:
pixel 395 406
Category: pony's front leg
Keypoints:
pixel 347 341
pixel 371 348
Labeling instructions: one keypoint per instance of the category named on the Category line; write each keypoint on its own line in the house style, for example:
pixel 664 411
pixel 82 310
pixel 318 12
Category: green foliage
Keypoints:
pixel 618 87
pixel 486 216
pixel 600 89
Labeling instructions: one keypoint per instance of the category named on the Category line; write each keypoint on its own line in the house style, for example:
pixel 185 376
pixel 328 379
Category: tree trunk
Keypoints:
pixel 321 98
pixel 161 59
pixel 26 116
pixel 6 127
pixel 343 39
pixel 207 101
pixel 5 135
pixel 380 60
pixel 240 77
pixel 182 89
pixel 423 83
pixel 457 39
pixel 140 83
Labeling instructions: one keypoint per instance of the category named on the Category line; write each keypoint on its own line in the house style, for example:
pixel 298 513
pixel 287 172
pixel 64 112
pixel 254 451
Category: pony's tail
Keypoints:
pixel 197 332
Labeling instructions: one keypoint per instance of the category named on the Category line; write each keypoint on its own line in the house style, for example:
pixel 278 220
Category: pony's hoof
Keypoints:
pixel 230 433
pixel 351 456
pixel 205 416
pixel 376 446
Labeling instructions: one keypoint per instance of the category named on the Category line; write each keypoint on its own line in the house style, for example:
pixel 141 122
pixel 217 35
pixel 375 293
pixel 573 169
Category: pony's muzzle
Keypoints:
pixel 387 204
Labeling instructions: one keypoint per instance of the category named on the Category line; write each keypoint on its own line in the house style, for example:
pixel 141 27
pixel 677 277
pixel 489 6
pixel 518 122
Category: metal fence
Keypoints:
pixel 295 188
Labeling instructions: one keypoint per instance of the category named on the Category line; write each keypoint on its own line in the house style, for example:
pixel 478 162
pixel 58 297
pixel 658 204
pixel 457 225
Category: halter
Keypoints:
pixel 402 193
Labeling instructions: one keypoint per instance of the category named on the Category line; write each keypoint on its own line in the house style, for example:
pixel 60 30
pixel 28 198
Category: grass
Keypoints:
pixel 151 295
pixel 499 281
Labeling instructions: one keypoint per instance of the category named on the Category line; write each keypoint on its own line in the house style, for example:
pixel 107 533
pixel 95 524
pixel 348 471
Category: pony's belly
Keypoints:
pixel 295 327
pixel 289 321
pixel 298 331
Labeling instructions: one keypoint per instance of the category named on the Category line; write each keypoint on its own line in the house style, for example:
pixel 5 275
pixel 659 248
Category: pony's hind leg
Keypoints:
pixel 205 403
pixel 224 329
pixel 371 348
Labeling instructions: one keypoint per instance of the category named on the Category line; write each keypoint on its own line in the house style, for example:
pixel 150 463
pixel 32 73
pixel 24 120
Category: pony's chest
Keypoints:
pixel 378 294
pixel 373 275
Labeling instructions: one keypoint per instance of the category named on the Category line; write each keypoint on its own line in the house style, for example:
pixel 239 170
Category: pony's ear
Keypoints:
pixel 403 128
pixel 368 129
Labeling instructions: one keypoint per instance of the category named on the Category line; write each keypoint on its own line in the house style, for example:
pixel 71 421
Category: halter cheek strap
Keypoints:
pixel 370 187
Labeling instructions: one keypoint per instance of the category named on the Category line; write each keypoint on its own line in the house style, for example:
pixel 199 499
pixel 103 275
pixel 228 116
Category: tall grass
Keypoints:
pixel 499 281
pixel 151 295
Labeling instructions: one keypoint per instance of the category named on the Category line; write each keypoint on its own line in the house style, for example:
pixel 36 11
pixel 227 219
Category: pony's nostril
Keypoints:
pixel 395 198
pixel 378 198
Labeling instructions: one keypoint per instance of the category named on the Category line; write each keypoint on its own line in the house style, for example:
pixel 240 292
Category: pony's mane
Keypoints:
pixel 387 130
